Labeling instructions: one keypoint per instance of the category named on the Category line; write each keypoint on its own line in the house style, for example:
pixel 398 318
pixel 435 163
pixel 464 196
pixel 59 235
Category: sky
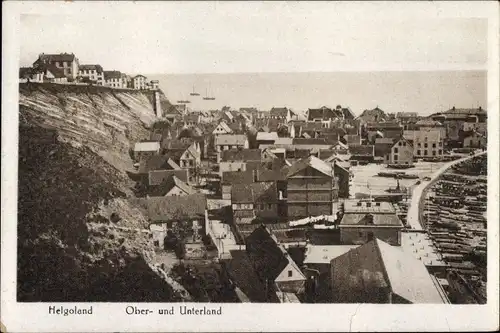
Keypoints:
pixel 233 37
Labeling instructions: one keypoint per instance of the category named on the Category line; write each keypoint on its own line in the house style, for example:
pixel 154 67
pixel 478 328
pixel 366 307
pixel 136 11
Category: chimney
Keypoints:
pixel 480 108
pixel 453 108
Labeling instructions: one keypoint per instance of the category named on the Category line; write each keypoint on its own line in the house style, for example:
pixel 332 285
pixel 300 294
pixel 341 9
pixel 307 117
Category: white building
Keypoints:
pixel 91 73
pixel 113 79
pixel 139 82
pixel 427 142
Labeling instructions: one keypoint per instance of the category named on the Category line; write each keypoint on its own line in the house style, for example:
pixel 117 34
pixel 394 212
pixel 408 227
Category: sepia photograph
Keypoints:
pixel 264 152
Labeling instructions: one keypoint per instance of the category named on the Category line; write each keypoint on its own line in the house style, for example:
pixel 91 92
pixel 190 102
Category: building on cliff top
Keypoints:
pixel 67 62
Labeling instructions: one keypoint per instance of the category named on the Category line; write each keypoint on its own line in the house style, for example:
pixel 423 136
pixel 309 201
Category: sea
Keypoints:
pixel 424 92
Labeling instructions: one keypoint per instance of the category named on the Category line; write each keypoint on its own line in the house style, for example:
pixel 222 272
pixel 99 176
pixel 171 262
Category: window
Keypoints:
pixel 425 152
pixel 433 145
pixel 395 157
pixel 418 152
pixel 360 234
pixel 440 144
pixel 425 139
pixel 269 206
pixel 395 150
pixel 425 145
pixel 156 243
pixel 419 145
pixel 400 143
pixel 433 153
pixel 290 273
pixel 440 152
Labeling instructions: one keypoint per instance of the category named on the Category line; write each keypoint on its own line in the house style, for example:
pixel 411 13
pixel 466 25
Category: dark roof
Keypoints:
pixel 324 113
pixel 312 162
pixel 371 219
pixel 361 150
pixel 181 144
pixel 156 177
pixel 241 155
pixel 112 75
pixel 49 58
pixel 373 115
pixel 384 125
pixel 98 68
pixel 383 146
pixel 174 208
pixel 237 177
pixel 467 111
pixel 25 72
pixel 57 72
pixel 268 257
pixel 157 162
pixel 279 112
pixel 312 141
pixel 172 182
pixel 254 192
pixel 264 175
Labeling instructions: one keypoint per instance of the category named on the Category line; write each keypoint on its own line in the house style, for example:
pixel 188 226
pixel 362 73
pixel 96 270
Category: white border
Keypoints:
pixel 19 317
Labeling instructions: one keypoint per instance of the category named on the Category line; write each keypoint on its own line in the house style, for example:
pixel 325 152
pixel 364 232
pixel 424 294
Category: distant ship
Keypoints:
pixel 182 101
pixel 194 93
pixel 207 97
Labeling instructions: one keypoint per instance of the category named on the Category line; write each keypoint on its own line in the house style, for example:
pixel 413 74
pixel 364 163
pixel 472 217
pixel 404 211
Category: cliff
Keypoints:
pixel 79 237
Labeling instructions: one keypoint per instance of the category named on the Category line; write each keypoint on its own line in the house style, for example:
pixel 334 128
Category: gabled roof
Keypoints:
pixel 266 136
pixel 384 125
pixel 312 141
pixel 324 113
pixel 138 76
pixel 237 177
pixel 312 162
pixel 241 155
pixel 230 139
pixel 281 112
pixel 68 57
pixel 405 275
pixel 156 177
pixel 97 68
pixel 173 181
pixel 175 208
pixel 147 146
pixel 112 75
pixel 268 256
pixel 264 192
pixel 157 162
pixel 48 67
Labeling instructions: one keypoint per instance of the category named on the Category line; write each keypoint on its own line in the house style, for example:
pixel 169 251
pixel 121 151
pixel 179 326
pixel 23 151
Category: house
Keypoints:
pixel 254 200
pixel 383 147
pixel 230 178
pixel 92 74
pixel 67 62
pixel 113 79
pixel 146 149
pixel 176 187
pixel 139 82
pixel 312 188
pixel 324 115
pixel 230 141
pixel 401 153
pixel 282 113
pixel 377 272
pixel 187 154
pixel 406 117
pixel 158 177
pixel 157 162
pixel 362 152
pixel 166 212
pixel 272 263
pixel 475 139
pixel 319 257
pixel 154 85
pixel 192 119
pixel 222 128
pixel 427 142
pixel 266 138
pixel 365 220
pixel 48 73
pixel 375 115
pixel 382 130
pixel 237 159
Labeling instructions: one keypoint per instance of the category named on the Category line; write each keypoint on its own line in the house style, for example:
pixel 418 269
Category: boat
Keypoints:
pixel 194 93
pixel 400 166
pixel 397 190
pixel 407 176
pixel 207 97
pixel 389 174
pixel 182 101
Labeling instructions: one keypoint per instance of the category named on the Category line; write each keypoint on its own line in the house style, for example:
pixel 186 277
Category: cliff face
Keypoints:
pixel 79 237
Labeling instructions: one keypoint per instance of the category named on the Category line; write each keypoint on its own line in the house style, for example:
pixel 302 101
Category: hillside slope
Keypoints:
pixel 79 237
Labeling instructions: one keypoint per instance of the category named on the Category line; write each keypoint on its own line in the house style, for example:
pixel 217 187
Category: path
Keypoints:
pixel 413 217
pixel 223 238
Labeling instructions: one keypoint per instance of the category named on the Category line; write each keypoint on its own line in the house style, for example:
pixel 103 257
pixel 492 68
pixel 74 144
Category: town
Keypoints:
pixel 324 205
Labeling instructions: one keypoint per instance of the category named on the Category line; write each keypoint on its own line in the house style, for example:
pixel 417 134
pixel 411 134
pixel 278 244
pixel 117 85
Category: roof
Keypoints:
pixel 383 146
pixel 468 111
pixel 112 75
pixel 173 181
pixel 281 112
pixel 373 115
pixel 157 162
pixel 312 162
pixel 147 146
pixel 405 275
pixel 357 206
pixel 268 256
pixel 428 122
pixel 173 208
pixel 406 115
pixel 192 117
pixel 241 155
pixel 312 141
pixel 157 177
pixel 383 125
pixel 365 219
pixel 267 136
pixel 69 57
pixel 361 150
pixel 323 254
pixel 237 177
pixel 254 192
pixel 230 139
pixel 97 68
pixel 57 72
pixel 324 113
pixel 139 75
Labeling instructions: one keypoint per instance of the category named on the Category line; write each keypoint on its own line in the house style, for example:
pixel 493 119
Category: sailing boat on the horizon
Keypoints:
pixel 207 96
pixel 194 93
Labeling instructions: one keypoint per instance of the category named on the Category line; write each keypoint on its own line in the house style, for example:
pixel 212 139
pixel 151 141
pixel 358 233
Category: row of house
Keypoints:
pixel 66 68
